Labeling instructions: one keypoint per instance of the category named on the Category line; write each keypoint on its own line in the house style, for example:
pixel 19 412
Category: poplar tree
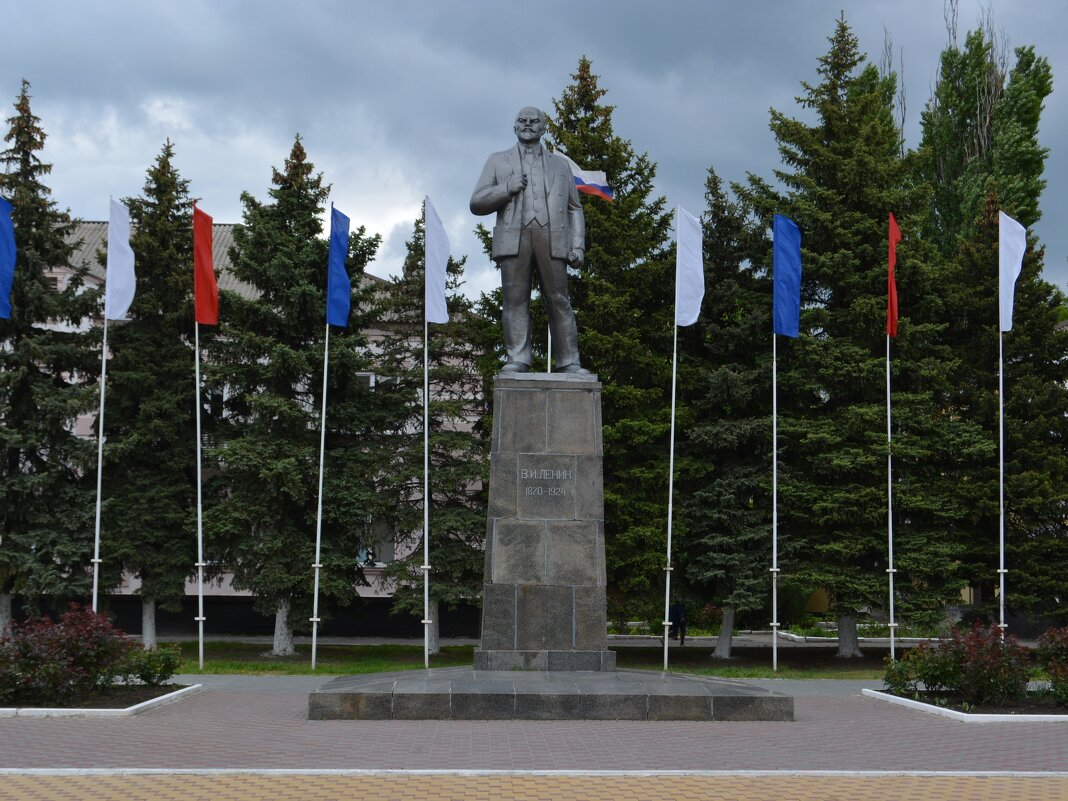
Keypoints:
pixel 46 487
pixel 623 297
pixel 458 429
pixel 268 363
pixel 980 153
pixel 150 470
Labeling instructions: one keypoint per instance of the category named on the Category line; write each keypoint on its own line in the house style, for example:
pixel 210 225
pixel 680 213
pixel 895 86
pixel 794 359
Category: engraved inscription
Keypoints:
pixel 545 487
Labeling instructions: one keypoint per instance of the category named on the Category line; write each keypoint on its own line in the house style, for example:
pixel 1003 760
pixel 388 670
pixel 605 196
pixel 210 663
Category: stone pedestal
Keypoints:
pixel 544 592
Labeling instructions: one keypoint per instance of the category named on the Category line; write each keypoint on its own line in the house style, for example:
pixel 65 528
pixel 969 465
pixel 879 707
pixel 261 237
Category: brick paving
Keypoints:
pixel 231 787
pixel 251 724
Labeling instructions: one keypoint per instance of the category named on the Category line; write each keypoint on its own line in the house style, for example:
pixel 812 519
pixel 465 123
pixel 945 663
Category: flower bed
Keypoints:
pixel 79 660
pixel 980 672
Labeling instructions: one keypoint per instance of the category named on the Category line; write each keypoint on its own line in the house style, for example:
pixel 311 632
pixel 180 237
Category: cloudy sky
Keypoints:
pixel 400 99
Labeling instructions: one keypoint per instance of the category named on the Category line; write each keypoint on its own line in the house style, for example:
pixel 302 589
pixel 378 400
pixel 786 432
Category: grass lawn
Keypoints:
pixel 748 663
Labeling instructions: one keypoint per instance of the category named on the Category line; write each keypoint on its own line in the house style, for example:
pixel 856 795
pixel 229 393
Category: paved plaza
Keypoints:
pixel 249 737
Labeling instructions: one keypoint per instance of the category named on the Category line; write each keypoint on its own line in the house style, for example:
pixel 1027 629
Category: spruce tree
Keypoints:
pixel 268 363
pixel 150 470
pixel 842 175
pixel 725 388
pixel 624 300
pixel 46 491
pixel 458 435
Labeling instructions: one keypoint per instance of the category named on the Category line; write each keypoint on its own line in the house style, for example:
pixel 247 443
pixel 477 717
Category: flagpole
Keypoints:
pixel 100 461
pixel 317 566
pixel 890 571
pixel 426 496
pixel 774 504
pixel 1001 483
pixel 200 511
pixel 671 494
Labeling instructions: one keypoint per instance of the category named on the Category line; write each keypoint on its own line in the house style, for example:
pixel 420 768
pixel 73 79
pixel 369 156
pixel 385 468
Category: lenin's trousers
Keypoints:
pixel 516 271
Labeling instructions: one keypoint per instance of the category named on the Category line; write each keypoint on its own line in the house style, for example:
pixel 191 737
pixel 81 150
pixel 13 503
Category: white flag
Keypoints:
pixel 436 243
pixel 120 281
pixel 1012 241
pixel 689 268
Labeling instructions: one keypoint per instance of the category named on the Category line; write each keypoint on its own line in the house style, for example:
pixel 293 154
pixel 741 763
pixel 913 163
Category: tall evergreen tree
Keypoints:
pixel 46 497
pixel 725 381
pixel 269 358
pixel 980 153
pixel 150 470
pixel 624 300
pixel 842 175
pixel 458 432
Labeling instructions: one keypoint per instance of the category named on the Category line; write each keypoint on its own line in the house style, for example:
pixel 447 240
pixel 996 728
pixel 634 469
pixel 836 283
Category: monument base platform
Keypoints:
pixel 466 694
pixel 544 660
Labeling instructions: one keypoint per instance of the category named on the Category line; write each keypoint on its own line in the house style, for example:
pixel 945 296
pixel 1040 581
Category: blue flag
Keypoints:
pixel 338 288
pixel 786 276
pixel 7 258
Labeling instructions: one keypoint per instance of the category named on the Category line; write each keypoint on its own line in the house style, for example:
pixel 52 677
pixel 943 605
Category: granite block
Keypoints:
pixel 676 707
pixel 548 706
pixel 614 706
pixel 573 553
pixel 422 706
pixel 745 707
pixel 518 552
pixel 487 570
pixel 488 659
pixel 575 660
pixel 571 422
pixel 589 488
pixel 502 485
pixel 325 706
pixel 367 706
pixel 498 616
pixel 483 706
pixel 522 420
pixel 543 618
pixel 591 619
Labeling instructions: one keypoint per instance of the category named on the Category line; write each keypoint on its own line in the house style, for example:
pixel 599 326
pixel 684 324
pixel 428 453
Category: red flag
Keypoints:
pixel 891 283
pixel 205 289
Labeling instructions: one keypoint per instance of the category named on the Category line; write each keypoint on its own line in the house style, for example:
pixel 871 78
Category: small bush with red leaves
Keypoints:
pixel 55 663
pixel 1053 652
pixel 978 666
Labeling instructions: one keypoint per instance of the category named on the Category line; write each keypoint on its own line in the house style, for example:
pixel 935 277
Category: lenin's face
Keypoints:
pixel 529 125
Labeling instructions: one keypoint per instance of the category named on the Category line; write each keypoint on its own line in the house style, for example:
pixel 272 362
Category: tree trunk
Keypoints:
pixel 283 632
pixel 5 613
pixel 434 628
pixel 726 635
pixel 848 647
pixel 148 623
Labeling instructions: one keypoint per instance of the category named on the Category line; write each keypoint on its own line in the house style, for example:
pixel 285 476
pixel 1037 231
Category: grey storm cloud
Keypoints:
pixel 401 99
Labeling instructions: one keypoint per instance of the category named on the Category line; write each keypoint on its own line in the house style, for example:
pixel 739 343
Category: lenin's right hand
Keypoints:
pixel 516 183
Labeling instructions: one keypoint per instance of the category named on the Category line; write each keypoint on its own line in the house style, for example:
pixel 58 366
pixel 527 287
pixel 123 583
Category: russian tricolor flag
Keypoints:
pixel 589 182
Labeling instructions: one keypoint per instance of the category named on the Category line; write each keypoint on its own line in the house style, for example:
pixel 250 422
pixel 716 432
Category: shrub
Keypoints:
pixel 708 617
pixel 152 667
pixel 900 676
pixel 937 666
pixel 993 670
pixel 978 666
pixel 1053 646
pixel 1058 681
pixel 58 663
pixel 1053 653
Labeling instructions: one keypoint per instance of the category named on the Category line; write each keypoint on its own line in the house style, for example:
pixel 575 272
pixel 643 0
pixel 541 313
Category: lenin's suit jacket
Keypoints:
pixel 567 226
